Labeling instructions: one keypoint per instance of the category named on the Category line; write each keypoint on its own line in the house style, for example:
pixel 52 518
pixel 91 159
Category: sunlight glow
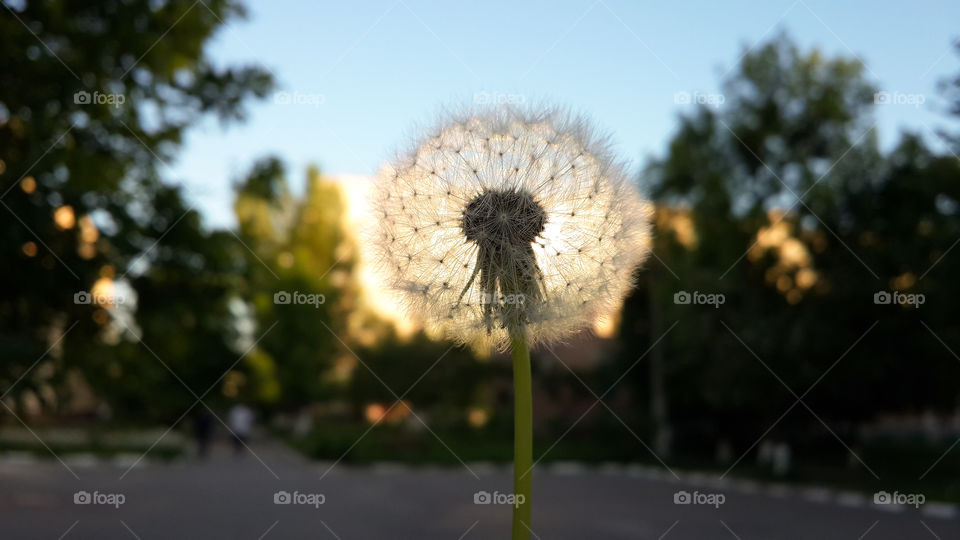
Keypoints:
pixel 383 303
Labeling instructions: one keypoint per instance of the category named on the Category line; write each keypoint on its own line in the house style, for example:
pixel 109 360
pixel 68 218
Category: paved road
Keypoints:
pixel 233 498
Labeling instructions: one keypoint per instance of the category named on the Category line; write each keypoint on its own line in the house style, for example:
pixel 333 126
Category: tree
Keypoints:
pixel 783 202
pixel 299 276
pixel 101 96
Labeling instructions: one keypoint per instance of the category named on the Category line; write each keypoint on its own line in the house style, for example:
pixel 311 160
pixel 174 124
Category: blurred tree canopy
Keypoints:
pixel 782 201
pixel 299 275
pixel 101 96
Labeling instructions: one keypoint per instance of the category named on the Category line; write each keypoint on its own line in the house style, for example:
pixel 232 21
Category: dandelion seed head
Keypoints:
pixel 508 221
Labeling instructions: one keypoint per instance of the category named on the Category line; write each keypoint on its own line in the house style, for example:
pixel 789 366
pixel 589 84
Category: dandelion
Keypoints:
pixel 509 227
pixel 507 222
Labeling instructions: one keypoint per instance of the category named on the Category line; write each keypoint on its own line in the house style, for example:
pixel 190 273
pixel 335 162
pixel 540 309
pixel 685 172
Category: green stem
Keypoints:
pixel 522 436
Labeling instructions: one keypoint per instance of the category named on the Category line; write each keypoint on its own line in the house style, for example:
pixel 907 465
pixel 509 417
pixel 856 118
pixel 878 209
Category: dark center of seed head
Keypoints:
pixel 503 219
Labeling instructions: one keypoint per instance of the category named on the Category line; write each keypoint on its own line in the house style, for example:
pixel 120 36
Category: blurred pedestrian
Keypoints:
pixel 241 423
pixel 202 429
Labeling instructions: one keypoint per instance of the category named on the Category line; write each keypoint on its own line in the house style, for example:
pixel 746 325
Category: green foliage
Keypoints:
pixel 63 148
pixel 796 126
pixel 298 247
pixel 446 380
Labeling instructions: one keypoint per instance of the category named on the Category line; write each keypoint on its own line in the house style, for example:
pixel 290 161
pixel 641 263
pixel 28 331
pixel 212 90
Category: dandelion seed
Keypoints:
pixel 507 222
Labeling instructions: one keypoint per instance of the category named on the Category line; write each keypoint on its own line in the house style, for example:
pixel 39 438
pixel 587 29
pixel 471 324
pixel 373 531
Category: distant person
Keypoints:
pixel 241 423
pixel 202 429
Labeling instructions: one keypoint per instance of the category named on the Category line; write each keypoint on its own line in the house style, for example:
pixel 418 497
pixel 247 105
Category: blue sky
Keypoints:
pixel 361 75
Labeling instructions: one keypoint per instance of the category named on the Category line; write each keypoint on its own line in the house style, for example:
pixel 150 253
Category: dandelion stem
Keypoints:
pixel 522 436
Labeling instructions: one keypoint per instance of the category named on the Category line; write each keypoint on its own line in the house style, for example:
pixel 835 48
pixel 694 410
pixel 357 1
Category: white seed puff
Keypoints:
pixel 508 221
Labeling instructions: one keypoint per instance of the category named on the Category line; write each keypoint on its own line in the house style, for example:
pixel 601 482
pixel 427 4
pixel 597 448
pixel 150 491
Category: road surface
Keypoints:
pixel 276 494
